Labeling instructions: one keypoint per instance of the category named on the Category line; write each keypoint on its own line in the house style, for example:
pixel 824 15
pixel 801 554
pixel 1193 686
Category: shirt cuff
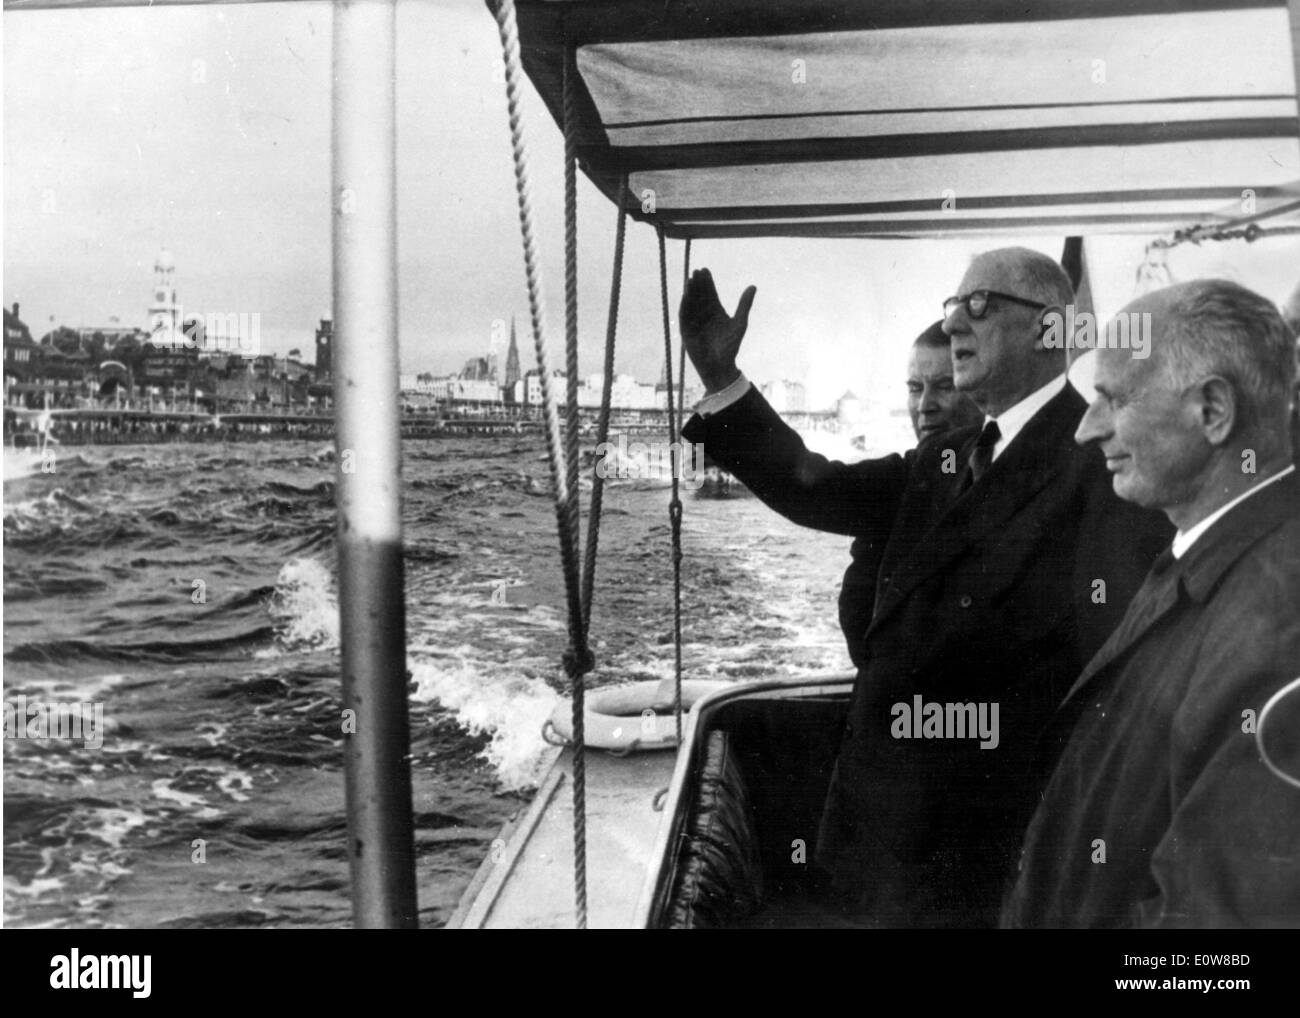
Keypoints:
pixel 723 398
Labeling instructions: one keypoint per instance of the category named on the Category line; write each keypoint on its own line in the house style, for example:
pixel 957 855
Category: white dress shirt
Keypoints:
pixel 723 398
pixel 1013 419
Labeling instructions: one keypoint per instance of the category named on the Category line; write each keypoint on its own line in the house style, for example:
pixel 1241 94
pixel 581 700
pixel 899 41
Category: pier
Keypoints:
pixel 132 426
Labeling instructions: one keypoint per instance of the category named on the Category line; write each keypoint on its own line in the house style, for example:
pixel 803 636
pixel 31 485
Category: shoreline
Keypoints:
pixel 143 428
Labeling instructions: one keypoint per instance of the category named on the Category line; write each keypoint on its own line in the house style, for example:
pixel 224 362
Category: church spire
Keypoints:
pixel 512 357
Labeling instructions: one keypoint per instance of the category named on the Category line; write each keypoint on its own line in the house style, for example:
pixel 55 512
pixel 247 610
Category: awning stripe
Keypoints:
pixel 1098 104
pixel 1032 115
pixel 934 122
pixel 603 21
pixel 639 158
pixel 935 227
pixel 1214 197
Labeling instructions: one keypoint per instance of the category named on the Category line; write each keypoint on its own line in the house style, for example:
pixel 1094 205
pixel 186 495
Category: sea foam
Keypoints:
pixel 509 707
pixel 305 606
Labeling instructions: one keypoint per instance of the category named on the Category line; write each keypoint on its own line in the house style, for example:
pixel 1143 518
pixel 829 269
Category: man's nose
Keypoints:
pixel 1095 425
pixel 955 320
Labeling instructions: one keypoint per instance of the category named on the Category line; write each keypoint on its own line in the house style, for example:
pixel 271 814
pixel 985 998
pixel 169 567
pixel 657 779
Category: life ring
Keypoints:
pixel 1292 687
pixel 627 719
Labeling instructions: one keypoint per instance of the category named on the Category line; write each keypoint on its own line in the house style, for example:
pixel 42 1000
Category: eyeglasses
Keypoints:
pixel 977 302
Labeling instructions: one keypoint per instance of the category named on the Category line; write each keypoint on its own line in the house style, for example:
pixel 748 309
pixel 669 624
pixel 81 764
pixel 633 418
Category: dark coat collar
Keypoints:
pixel 1198 573
pixel 1230 536
pixel 1028 464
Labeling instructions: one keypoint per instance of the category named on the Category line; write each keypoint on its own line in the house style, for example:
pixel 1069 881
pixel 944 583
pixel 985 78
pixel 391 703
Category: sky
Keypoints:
pixel 205 131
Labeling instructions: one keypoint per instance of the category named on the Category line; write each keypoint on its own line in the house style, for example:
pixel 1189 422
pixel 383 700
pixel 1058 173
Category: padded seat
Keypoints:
pixel 719 875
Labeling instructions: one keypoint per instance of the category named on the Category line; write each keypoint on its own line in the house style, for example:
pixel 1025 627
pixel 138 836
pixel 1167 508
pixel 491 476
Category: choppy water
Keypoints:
pixel 222 717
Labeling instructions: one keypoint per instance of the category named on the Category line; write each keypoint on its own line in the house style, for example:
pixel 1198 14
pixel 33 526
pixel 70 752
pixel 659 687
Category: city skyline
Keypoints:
pixel 164 302
pixel 206 131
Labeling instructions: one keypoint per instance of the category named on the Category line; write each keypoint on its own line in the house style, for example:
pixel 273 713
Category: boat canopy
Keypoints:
pixel 928 118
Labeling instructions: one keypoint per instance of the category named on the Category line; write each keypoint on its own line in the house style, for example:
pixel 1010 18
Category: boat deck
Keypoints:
pixel 527 879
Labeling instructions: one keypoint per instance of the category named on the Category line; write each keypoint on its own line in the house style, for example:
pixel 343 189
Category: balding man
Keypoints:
pixel 1007 560
pixel 1163 811
pixel 935 407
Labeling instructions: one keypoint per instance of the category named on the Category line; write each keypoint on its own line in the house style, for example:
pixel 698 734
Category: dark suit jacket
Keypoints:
pixel 1162 770
pixel 999 596
pixel 858 594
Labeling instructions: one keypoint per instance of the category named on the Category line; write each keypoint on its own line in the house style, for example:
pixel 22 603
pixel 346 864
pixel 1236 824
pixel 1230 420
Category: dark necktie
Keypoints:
pixel 1163 561
pixel 981 456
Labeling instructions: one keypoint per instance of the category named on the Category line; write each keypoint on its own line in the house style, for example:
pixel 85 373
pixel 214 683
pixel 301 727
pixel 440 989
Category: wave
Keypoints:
pixel 320 490
pixel 59 522
pixel 305 607
pixel 212 649
pixel 26 587
pixel 508 707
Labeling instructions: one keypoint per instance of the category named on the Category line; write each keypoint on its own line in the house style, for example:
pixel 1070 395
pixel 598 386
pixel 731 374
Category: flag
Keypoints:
pixel 1075 262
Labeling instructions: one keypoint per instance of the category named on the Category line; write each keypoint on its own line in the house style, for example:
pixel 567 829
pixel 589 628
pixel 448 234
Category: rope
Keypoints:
pixel 578 659
pixel 578 629
pixel 606 397
pixel 570 116
pixel 1154 270
pixel 675 503
pixel 1250 232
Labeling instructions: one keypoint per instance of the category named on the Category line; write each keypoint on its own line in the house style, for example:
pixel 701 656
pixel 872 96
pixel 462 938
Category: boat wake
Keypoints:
pixel 509 708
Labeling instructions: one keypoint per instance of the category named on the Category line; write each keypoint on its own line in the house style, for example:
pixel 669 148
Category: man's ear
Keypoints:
pixel 1217 409
pixel 1051 329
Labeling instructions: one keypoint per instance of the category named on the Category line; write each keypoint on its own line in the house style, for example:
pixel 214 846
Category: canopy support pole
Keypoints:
pixel 372 610
pixel 681 352
pixel 675 502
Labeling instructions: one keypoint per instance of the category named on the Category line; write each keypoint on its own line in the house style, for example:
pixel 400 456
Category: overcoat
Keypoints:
pixel 1162 811
pixel 995 595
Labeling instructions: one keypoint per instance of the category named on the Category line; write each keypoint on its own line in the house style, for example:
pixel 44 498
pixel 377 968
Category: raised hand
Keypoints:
pixel 711 336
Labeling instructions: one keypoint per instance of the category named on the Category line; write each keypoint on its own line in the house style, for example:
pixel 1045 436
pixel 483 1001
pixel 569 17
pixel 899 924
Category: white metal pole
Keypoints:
pixel 368 495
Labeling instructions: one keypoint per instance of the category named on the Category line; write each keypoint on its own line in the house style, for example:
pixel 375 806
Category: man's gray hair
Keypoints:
pixel 1291 313
pixel 1037 276
pixel 1224 329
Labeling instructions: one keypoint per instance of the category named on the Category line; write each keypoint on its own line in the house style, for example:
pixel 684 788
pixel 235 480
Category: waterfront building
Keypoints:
pixel 213 361
pixel 785 396
pixel 848 410
pixel 533 386
pixel 19 345
pixel 107 337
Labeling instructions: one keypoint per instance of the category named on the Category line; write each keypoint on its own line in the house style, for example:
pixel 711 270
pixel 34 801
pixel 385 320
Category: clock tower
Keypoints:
pixel 164 311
